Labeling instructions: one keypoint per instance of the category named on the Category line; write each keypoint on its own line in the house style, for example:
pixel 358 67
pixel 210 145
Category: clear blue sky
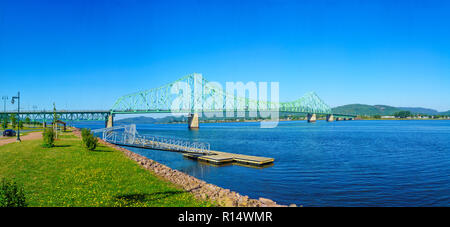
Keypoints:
pixel 83 54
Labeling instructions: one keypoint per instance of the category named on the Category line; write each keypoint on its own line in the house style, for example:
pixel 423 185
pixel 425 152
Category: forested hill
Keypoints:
pixel 367 110
pixel 383 110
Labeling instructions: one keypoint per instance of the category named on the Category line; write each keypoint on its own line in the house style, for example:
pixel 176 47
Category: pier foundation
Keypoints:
pixel 311 118
pixel 330 117
pixel 193 121
pixel 110 121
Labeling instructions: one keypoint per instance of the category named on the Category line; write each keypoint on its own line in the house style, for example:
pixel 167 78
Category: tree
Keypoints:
pixel 402 114
pixel 27 121
pixel 55 121
pixel 21 124
pixel 13 121
pixel 55 116
pixel 89 141
pixel 5 123
pixel 48 138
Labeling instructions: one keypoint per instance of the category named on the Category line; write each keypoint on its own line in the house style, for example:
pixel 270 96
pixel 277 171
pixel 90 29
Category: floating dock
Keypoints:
pixel 214 157
pixel 218 157
pixel 193 150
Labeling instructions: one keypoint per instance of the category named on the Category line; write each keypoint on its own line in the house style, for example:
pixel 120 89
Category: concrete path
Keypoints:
pixel 30 136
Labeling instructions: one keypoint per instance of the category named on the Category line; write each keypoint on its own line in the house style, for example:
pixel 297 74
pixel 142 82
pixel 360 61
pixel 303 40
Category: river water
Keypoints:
pixel 344 163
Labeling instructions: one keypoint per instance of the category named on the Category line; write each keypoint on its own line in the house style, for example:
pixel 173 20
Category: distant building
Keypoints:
pixel 387 117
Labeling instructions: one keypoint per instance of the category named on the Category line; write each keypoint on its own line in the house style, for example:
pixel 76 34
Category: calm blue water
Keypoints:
pixel 351 163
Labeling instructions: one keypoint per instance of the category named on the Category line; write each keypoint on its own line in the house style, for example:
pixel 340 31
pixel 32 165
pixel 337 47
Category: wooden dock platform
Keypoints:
pixel 218 157
pixel 215 157
pixel 192 151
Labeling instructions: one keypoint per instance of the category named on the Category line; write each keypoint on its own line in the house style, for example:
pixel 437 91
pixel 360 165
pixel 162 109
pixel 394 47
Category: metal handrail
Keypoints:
pixel 130 137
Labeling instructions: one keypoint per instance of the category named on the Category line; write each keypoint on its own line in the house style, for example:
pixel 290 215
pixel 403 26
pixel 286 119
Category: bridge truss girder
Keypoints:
pixel 63 116
pixel 203 96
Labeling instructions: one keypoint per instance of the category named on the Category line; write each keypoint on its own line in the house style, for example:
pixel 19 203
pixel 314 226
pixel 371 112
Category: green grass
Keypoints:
pixel 69 175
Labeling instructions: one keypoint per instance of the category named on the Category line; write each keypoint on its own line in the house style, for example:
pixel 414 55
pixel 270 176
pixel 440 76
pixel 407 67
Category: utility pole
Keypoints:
pixel 4 103
pixel 18 113
pixel 4 109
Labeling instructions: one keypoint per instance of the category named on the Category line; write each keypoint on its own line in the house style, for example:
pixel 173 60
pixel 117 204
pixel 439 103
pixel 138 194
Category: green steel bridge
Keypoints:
pixel 78 115
pixel 190 94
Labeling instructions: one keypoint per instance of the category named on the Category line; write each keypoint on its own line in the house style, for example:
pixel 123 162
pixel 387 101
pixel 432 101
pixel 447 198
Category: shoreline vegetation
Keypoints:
pixel 67 174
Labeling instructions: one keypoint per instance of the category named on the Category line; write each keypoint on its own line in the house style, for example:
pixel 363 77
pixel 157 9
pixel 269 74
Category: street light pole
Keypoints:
pixel 4 103
pixel 18 114
pixel 5 116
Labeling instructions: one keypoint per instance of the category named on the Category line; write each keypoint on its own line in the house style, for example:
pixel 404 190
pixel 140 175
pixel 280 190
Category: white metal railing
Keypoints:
pixel 128 135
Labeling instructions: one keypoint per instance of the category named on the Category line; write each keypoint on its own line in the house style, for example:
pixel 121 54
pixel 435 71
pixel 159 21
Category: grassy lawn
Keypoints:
pixel 69 175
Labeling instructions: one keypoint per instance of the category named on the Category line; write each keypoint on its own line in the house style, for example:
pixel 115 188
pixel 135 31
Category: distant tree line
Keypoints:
pixel 5 120
pixel 402 114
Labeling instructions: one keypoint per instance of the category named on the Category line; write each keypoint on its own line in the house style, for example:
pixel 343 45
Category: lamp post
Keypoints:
pixel 4 103
pixel 4 109
pixel 18 113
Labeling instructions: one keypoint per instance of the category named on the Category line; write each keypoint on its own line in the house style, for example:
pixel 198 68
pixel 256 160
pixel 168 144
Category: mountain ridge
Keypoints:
pixel 371 110
pixel 351 109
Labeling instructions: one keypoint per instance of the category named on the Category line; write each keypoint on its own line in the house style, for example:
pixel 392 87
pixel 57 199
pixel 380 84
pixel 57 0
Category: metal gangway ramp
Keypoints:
pixel 127 135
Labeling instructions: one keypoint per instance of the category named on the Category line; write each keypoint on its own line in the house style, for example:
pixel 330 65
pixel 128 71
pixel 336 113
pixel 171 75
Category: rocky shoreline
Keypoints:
pixel 200 189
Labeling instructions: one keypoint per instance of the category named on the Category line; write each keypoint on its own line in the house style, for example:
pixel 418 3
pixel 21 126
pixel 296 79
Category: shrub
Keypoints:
pixel 11 195
pixel 49 137
pixel 88 139
pixel 84 133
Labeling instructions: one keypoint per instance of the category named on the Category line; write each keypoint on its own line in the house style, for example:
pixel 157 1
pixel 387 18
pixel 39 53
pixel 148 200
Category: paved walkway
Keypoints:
pixel 30 136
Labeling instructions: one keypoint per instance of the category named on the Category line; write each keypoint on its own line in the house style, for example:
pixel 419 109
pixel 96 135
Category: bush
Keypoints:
pixel 11 195
pixel 49 137
pixel 88 139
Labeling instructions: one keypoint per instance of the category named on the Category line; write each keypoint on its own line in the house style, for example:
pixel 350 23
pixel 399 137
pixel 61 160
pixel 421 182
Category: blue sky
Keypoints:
pixel 85 54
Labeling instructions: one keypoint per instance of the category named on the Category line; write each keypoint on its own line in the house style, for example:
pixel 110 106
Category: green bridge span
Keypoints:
pixel 211 96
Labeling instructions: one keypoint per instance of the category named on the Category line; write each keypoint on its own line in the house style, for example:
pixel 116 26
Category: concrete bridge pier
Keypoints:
pixel 311 118
pixel 193 121
pixel 109 121
pixel 330 117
